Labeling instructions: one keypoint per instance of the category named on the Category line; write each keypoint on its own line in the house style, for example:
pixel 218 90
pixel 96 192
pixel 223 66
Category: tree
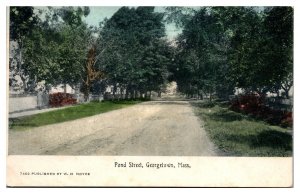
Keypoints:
pixel 203 46
pixel 90 72
pixel 133 61
pixel 57 48
pixel 261 55
pixel 225 47
pixel 155 61
pixel 245 56
pixel 22 21
pixel 279 30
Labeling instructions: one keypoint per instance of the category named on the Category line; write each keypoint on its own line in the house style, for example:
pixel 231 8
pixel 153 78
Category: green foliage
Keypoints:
pixel 67 114
pixel 73 16
pixel 279 46
pixel 55 51
pixel 259 61
pixel 202 55
pixel 220 48
pixel 225 47
pixel 179 15
pixel 137 57
pixel 246 67
pixel 22 20
pixel 239 135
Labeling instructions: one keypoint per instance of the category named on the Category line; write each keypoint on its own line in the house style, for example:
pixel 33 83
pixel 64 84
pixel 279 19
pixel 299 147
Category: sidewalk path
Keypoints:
pixel 32 112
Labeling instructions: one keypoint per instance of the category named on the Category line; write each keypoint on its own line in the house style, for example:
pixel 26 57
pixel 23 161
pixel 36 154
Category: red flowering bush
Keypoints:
pixel 248 103
pixel 61 99
pixel 254 105
pixel 287 120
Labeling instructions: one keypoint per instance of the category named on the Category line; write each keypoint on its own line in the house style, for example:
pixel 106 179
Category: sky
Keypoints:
pixel 97 14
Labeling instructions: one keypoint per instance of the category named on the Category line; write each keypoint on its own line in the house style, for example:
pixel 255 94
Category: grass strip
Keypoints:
pixel 67 114
pixel 237 134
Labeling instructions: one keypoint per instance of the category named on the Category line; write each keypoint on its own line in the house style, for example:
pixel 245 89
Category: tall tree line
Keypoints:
pixel 129 51
pixel 139 55
pixel 52 43
pixel 219 49
pixel 222 48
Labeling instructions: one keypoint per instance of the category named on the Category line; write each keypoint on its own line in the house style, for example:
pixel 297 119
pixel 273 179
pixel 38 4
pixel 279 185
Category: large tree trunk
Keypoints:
pixel 286 90
pixel 86 91
pixel 65 88
pixel 131 94
pixel 19 67
pixel 141 95
pixel 135 94
pixel 91 73
pixel 24 83
pixel 126 93
pixel 286 93
pixel 159 94
pixel 121 92
pixel 114 91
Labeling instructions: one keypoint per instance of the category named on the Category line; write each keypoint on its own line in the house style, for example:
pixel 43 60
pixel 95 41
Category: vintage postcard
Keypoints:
pixel 150 96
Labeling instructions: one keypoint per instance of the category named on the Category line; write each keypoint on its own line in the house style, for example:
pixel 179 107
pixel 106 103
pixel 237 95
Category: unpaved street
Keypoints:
pixel 156 128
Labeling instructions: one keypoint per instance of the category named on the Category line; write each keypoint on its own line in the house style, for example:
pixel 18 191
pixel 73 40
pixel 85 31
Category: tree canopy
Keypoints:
pixel 221 48
pixel 57 46
pixel 218 50
pixel 137 59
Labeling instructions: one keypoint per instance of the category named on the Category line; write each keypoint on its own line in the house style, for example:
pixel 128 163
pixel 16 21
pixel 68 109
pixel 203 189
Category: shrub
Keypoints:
pixel 287 120
pixel 254 105
pixel 61 99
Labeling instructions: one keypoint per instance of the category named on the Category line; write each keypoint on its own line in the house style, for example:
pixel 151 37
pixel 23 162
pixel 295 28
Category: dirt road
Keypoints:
pixel 156 128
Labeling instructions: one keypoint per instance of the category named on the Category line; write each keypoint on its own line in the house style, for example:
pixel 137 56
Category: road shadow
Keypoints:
pixel 226 116
pixel 274 139
pixel 223 115
pixel 268 138
pixel 202 104
pixel 166 103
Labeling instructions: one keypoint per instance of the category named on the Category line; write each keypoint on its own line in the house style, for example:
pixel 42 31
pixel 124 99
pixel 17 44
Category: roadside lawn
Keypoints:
pixel 67 114
pixel 236 134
